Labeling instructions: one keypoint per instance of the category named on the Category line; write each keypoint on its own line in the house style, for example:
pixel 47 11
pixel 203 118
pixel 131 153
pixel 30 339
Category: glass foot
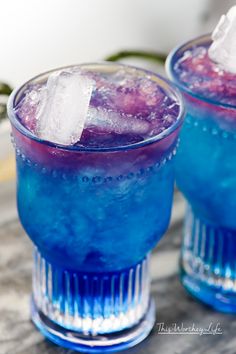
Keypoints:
pixel 92 312
pixel 208 263
pixel 94 343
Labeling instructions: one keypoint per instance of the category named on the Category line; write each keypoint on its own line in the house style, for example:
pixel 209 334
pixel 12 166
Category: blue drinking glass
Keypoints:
pixel 93 215
pixel 206 174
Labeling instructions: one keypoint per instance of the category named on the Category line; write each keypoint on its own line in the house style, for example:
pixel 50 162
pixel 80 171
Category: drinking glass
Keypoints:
pixel 206 174
pixel 94 214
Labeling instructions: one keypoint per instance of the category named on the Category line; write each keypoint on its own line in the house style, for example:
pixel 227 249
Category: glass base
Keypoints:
pixel 208 263
pixel 92 312
pixel 94 343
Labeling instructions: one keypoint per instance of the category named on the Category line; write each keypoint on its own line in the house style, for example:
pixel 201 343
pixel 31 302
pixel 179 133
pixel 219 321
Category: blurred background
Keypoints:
pixel 37 35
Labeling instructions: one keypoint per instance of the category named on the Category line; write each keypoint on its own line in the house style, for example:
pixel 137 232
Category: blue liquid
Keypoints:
pixel 91 301
pixel 206 170
pixel 86 222
pixel 208 264
pixel 206 174
pixel 92 234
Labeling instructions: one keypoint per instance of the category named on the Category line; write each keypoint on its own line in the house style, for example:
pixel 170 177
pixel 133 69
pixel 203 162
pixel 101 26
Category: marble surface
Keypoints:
pixel 174 305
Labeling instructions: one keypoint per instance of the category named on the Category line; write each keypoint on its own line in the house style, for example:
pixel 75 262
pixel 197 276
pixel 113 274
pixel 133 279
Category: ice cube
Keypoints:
pixel 63 107
pixel 223 49
pixel 114 122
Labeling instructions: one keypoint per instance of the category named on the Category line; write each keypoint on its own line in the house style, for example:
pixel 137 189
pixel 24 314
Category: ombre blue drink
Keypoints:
pixel 206 174
pixel 95 209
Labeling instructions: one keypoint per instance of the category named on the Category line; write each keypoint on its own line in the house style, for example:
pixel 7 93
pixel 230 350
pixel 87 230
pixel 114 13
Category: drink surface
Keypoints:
pixel 200 75
pixel 125 107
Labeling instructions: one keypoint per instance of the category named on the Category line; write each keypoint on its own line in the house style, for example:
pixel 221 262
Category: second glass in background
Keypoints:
pixel 206 175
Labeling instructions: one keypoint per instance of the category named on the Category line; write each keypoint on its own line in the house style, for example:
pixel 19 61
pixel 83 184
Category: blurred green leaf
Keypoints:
pixel 153 56
pixel 5 90
pixel 3 112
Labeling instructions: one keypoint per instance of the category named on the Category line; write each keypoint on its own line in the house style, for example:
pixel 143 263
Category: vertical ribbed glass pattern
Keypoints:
pixel 91 303
pixel 209 254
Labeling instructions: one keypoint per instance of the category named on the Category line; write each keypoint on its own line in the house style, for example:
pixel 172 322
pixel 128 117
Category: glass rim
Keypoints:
pixel 23 130
pixel 170 61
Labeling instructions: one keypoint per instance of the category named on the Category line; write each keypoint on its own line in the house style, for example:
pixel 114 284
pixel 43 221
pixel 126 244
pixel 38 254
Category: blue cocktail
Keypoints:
pixel 206 174
pixel 95 208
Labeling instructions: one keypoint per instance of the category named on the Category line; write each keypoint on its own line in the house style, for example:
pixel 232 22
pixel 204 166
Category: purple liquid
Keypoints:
pixel 199 74
pixel 124 109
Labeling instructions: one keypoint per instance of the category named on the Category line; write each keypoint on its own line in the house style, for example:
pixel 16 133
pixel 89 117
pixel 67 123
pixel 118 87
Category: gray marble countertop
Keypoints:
pixel 174 305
